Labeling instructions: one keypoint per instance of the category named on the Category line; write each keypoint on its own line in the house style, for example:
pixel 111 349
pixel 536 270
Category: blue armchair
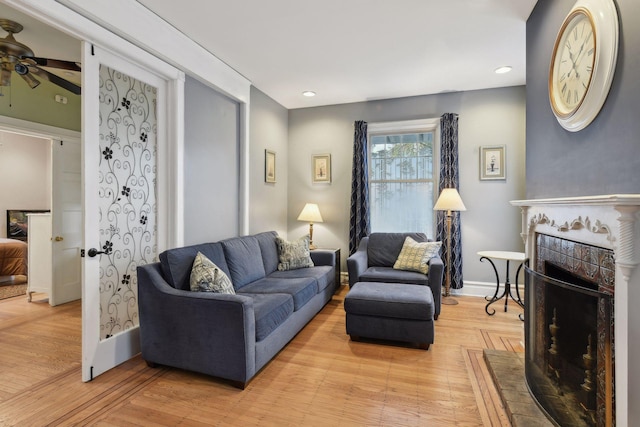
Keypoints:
pixel 374 259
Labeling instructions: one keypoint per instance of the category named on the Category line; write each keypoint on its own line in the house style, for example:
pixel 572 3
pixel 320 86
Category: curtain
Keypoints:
pixel 359 219
pixel 449 178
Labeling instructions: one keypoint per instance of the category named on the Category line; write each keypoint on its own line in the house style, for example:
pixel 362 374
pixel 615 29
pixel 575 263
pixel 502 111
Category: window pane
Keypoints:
pixel 401 175
pixel 400 207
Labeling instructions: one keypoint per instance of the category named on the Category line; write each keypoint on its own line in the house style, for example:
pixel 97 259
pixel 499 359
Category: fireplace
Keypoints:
pixel 569 332
pixel 583 251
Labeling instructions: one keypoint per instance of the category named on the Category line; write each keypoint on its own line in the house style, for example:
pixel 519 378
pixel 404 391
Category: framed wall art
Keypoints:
pixel 321 168
pixel 269 166
pixel 493 163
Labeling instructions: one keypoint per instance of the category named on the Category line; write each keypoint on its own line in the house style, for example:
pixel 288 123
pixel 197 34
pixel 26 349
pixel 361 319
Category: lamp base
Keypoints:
pixel 449 301
pixel 312 246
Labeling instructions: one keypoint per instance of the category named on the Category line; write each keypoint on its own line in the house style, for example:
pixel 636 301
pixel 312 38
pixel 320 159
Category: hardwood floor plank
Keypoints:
pixel 321 378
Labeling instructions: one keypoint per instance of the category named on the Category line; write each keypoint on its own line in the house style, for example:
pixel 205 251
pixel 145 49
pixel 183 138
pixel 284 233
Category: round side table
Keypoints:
pixel 506 256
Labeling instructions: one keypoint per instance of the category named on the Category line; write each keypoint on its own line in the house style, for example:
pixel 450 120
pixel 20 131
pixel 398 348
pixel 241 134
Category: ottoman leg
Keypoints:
pixel 423 346
pixel 354 337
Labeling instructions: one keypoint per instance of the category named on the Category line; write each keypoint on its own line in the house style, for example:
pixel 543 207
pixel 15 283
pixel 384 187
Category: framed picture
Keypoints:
pixel 17 224
pixel 321 168
pixel 269 166
pixel 493 163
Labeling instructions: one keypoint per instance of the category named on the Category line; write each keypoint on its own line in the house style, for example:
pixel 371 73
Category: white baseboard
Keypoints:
pixel 482 289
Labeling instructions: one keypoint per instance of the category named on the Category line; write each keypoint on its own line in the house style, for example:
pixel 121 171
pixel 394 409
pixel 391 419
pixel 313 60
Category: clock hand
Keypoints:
pixel 579 56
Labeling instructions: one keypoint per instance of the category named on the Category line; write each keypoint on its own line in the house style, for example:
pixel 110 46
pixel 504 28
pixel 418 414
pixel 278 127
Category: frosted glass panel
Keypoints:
pixel 127 195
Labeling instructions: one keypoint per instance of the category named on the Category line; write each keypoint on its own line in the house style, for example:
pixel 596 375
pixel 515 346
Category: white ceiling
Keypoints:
pixel 358 50
pixel 344 50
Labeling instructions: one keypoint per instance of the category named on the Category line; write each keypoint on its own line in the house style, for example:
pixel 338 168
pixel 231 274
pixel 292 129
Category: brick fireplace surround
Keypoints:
pixel 610 222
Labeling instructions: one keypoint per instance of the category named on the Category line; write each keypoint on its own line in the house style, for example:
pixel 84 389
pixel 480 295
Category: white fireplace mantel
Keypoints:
pixel 608 221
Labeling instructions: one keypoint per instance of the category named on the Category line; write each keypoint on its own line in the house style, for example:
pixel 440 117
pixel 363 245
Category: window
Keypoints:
pixel 402 175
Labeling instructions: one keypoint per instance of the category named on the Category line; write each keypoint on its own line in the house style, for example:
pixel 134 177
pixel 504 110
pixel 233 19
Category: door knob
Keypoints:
pixel 59 239
pixel 93 252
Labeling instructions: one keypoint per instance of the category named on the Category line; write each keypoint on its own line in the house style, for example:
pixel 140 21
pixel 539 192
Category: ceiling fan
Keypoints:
pixel 15 56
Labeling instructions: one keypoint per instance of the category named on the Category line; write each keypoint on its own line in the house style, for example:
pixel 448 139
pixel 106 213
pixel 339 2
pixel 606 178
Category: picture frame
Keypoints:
pixel 269 166
pixel 493 163
pixel 321 168
pixel 17 222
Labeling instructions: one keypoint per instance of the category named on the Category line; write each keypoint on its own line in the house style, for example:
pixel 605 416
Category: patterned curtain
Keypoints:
pixel 359 221
pixel 449 178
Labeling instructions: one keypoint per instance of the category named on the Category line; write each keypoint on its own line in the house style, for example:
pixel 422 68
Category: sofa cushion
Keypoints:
pixel 270 311
pixel 244 260
pixel 293 255
pixel 324 275
pixel 177 263
pixel 207 277
pixel 301 289
pixel 390 275
pixel 267 242
pixel 383 248
pixel 415 256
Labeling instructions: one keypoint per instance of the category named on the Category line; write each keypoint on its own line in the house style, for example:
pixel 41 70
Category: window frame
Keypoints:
pixel 408 127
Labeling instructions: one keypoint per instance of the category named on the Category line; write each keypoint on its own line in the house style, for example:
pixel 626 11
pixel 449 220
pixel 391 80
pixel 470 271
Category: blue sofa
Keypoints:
pixel 374 259
pixel 224 335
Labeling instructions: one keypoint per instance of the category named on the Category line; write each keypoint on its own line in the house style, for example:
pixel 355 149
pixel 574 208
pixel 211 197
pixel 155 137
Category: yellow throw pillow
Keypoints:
pixel 415 256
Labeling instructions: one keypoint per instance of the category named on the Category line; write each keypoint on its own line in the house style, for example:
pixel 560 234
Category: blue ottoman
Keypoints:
pixel 390 311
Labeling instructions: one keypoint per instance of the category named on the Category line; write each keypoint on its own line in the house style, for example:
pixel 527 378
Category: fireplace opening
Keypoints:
pixel 568 362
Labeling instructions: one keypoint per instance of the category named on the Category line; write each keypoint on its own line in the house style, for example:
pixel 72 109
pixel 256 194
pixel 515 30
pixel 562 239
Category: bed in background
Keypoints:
pixel 13 257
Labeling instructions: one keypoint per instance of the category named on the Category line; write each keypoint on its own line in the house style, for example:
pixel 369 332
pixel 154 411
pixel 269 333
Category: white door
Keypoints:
pixel 123 127
pixel 67 221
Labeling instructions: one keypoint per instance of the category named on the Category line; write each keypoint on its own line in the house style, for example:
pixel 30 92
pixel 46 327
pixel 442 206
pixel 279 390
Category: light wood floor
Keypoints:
pixel 320 379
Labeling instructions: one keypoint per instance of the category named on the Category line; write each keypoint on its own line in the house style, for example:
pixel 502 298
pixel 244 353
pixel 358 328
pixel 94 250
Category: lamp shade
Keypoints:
pixel 449 200
pixel 310 213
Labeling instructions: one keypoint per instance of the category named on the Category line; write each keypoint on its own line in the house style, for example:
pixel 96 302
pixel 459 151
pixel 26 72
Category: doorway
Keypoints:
pixel 41 164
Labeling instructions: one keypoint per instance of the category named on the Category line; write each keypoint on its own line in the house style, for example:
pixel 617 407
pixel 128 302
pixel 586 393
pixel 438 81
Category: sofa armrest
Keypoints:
pixel 358 262
pixel 324 257
pixel 198 331
pixel 435 276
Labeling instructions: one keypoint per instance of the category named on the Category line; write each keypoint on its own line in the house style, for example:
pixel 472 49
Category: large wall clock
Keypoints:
pixel 583 63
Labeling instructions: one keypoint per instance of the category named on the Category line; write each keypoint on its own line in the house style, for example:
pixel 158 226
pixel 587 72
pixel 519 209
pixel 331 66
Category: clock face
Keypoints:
pixel 573 62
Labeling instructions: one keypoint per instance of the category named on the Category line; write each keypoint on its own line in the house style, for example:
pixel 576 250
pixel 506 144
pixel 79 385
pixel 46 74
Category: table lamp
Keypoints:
pixel 310 213
pixel 449 200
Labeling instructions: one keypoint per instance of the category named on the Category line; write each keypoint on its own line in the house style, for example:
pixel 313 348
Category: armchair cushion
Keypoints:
pixel 383 248
pixel 415 256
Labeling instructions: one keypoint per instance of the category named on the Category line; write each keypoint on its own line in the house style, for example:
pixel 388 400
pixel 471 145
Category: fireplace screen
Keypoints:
pixel 568 360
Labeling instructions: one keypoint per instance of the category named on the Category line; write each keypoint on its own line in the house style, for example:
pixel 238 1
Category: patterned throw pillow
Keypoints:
pixel 415 256
pixel 293 255
pixel 208 277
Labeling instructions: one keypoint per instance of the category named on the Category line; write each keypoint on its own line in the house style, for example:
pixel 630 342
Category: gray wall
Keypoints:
pixel 211 164
pixel 268 130
pixel 604 158
pixel 487 117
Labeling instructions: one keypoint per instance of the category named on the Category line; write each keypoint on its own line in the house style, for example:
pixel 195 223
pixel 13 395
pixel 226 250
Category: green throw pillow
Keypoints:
pixel 293 255
pixel 208 277
pixel 415 256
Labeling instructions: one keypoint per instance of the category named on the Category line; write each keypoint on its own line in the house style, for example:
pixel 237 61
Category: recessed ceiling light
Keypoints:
pixel 503 70
pixel 309 93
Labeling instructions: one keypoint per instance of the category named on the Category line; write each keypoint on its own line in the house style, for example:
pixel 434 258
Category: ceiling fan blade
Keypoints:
pixel 71 87
pixel 54 63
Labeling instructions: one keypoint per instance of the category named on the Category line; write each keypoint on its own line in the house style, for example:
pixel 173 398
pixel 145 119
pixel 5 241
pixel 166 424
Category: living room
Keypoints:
pixel 557 163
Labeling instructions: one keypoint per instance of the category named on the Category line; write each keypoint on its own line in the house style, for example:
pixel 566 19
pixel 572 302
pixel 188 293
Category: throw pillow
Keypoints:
pixel 415 256
pixel 293 255
pixel 208 277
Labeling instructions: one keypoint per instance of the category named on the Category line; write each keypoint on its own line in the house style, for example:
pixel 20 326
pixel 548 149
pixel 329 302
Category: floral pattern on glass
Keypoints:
pixel 127 194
